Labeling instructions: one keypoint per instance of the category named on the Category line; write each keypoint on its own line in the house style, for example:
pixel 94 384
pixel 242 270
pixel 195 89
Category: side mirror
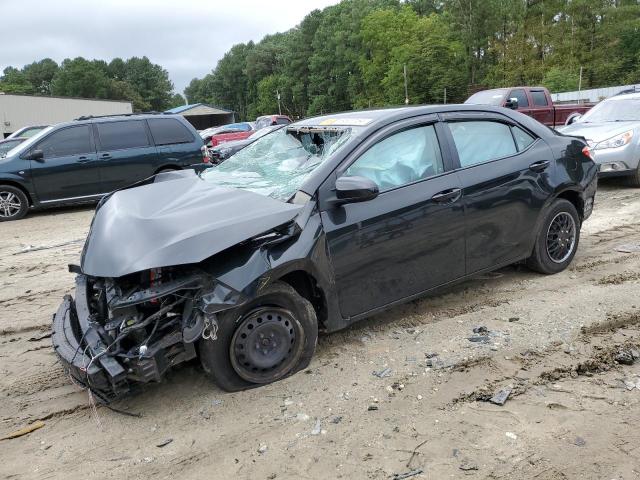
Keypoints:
pixel 355 189
pixel 511 103
pixel 37 155
pixel 573 118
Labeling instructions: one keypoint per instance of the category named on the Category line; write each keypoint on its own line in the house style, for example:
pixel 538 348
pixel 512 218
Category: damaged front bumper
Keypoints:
pixel 110 340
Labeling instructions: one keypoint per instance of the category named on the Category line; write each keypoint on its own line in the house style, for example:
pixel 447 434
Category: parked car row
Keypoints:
pixel 533 101
pixel 81 161
pixel 310 228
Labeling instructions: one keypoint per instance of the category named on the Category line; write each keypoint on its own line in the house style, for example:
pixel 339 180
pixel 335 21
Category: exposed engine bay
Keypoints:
pixel 119 332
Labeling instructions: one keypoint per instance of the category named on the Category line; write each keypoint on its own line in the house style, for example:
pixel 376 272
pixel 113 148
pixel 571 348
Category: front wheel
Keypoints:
pixel 633 180
pixel 264 341
pixel 13 203
pixel 557 240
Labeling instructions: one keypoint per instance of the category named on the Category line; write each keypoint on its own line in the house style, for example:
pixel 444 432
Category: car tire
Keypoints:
pixel 634 179
pixel 14 204
pixel 558 238
pixel 279 319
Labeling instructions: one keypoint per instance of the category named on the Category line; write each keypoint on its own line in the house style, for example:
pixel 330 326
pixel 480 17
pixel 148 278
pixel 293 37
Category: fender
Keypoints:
pixel 21 182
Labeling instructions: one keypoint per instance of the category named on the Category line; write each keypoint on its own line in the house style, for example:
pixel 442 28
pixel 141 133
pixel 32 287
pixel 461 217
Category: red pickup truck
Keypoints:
pixel 533 101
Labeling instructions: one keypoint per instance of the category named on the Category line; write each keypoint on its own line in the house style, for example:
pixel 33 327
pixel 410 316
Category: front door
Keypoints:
pixel 125 153
pixel 504 171
pixel 69 169
pixel 408 239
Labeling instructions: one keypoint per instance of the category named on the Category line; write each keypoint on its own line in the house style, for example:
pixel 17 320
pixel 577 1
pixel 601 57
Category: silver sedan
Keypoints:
pixel 612 129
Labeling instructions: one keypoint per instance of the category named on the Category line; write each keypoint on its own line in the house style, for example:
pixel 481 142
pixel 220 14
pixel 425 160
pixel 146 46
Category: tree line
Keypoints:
pixel 353 54
pixel 145 84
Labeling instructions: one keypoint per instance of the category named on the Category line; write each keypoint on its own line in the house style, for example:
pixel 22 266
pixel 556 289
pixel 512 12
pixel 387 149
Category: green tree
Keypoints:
pixel 79 77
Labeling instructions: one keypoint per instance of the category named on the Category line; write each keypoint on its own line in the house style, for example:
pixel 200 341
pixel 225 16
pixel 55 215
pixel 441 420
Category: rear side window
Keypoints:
pixel 121 135
pixel 539 98
pixel 402 158
pixel 67 142
pixel 166 131
pixel 282 121
pixel 482 141
pixel 521 95
pixel 523 139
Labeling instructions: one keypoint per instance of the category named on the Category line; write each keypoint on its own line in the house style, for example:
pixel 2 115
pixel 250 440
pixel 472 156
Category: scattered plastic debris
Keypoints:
pixel 317 428
pixel 628 248
pixel 382 373
pixel 580 442
pixel 501 396
pixel 25 430
pixel 262 449
pixel 401 476
pixel 511 435
pixel 164 443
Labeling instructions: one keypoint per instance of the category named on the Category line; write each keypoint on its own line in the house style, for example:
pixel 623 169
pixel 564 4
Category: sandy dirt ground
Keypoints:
pixel 573 412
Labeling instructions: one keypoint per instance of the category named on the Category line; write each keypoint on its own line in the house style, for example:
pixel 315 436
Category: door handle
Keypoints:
pixel 83 159
pixel 539 166
pixel 447 196
pixel 105 155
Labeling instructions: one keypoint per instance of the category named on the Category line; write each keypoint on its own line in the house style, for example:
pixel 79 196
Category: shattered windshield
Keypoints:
pixel 277 164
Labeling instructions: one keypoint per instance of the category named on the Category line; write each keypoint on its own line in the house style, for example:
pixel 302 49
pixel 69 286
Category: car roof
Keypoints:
pixel 119 118
pixel 625 96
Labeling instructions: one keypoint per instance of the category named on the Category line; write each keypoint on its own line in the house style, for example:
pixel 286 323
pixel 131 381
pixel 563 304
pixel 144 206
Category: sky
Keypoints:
pixel 186 37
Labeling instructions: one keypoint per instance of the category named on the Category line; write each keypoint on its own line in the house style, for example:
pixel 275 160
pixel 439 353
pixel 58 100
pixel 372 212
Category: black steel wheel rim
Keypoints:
pixel 561 237
pixel 10 204
pixel 266 345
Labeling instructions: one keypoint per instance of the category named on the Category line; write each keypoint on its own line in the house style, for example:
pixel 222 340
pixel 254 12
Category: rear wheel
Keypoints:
pixel 557 240
pixel 266 340
pixel 13 203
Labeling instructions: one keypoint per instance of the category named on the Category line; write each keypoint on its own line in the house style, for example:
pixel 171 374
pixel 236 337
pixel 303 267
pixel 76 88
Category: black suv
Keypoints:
pixel 80 161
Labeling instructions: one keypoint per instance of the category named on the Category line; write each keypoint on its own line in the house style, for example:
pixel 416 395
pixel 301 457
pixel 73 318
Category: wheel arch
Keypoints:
pixel 306 285
pixel 4 181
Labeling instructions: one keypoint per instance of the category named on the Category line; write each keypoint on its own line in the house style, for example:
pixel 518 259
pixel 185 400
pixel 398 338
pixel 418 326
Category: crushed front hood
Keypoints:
pixel 173 223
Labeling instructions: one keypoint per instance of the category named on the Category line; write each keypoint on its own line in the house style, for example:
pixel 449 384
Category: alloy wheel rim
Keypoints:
pixel 561 237
pixel 10 204
pixel 266 345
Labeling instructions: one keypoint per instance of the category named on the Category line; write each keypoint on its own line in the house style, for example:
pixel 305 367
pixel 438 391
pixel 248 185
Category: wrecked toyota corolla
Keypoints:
pixel 308 229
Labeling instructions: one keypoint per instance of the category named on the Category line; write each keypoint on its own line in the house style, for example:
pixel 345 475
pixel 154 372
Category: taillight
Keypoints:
pixel 587 152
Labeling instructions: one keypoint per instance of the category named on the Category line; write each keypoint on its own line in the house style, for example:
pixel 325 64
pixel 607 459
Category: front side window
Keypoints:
pixel 482 141
pixel 539 98
pixel 166 131
pixel 67 142
pixel 402 158
pixel 277 165
pixel 521 95
pixel 121 135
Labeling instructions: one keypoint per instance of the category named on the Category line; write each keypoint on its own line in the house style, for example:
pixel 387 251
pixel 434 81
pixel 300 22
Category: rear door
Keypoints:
pixel 177 145
pixel 541 108
pixel 125 152
pixel 408 239
pixel 505 172
pixel 69 170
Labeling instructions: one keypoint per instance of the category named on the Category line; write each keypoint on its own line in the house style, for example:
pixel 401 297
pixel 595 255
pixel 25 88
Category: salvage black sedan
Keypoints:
pixel 310 229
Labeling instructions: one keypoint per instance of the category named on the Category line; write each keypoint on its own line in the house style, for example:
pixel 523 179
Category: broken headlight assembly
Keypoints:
pixel 118 332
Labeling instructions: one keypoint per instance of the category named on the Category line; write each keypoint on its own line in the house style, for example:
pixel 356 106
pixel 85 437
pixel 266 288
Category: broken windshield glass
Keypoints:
pixel 277 164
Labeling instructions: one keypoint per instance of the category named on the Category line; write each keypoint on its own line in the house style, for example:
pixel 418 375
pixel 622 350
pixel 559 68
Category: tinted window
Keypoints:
pixel 521 96
pixel 119 135
pixel 539 98
pixel 282 121
pixel 523 139
pixel 400 159
pixel 168 130
pixel 69 141
pixel 479 142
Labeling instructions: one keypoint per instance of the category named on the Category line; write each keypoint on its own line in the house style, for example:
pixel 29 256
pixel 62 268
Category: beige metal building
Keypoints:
pixel 17 111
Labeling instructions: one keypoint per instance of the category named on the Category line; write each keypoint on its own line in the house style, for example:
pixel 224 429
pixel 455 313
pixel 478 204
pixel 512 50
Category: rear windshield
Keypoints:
pixel 276 165
pixel 166 131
